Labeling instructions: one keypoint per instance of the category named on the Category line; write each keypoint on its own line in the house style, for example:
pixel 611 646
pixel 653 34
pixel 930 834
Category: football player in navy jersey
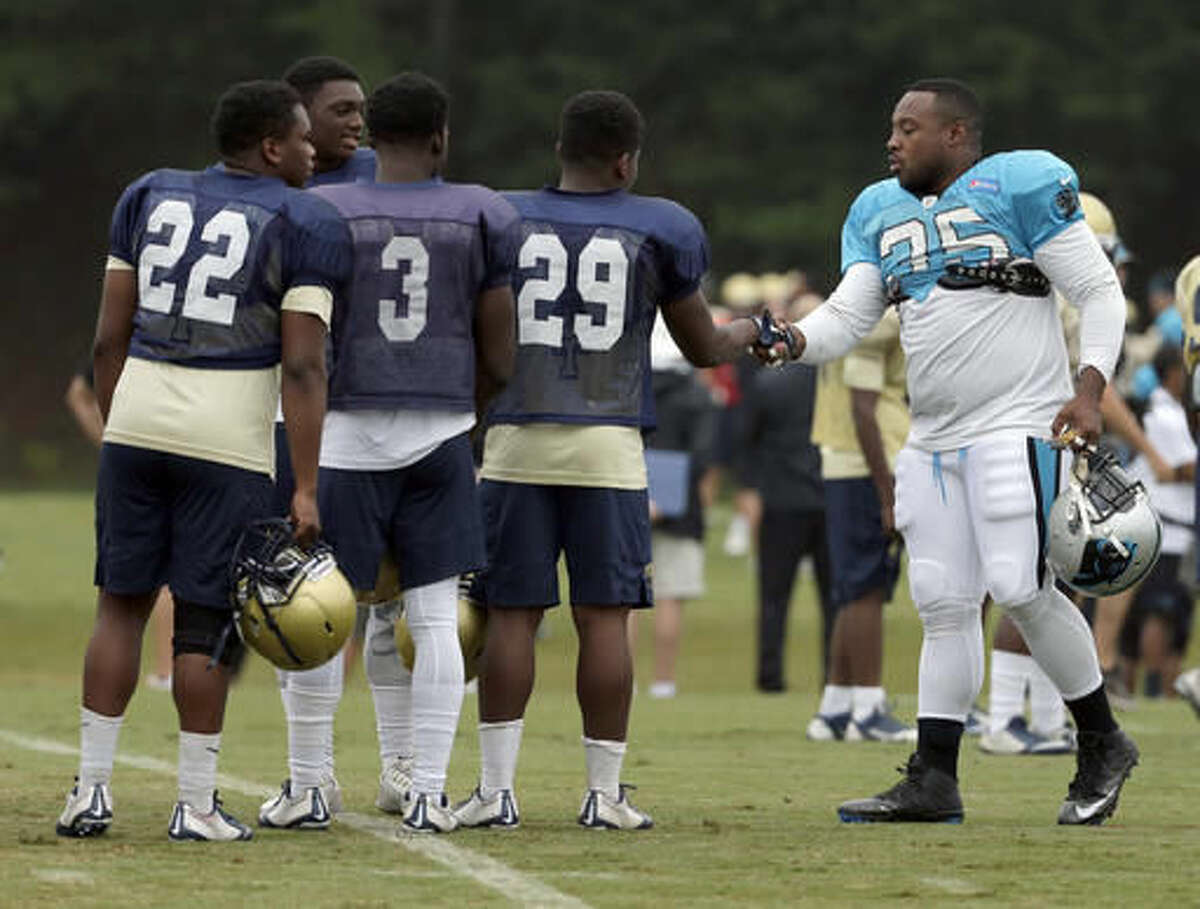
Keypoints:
pixel 333 96
pixel 968 247
pixel 563 467
pixel 424 331
pixel 214 279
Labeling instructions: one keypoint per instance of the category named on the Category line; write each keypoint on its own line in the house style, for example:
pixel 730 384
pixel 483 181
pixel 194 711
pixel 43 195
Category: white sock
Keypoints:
pixel 604 758
pixel 391 685
pixel 1010 675
pixel 198 753
pixel 313 696
pixel 1047 712
pixel 437 680
pixel 865 701
pixel 836 699
pixel 662 689
pixel 499 745
pixel 97 747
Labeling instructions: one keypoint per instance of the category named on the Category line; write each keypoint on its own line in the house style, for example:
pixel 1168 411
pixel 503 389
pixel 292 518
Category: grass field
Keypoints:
pixel 743 804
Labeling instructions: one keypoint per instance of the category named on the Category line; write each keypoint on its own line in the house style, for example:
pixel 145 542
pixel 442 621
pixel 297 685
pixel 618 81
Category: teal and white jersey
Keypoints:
pixel 980 360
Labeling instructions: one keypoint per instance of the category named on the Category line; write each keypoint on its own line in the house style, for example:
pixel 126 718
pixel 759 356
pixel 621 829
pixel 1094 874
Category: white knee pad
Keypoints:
pixel 380 659
pixel 951 669
pixel 950 618
pixel 932 585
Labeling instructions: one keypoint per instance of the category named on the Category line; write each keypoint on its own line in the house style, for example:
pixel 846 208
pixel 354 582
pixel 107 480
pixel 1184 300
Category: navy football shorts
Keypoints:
pixel 426 515
pixel 285 480
pixel 859 554
pixel 168 519
pixel 604 533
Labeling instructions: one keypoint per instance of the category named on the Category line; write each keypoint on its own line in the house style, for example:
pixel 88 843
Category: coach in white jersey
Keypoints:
pixel 968 248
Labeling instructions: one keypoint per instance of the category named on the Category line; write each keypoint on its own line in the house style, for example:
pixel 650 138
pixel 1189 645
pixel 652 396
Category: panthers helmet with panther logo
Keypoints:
pixel 1103 535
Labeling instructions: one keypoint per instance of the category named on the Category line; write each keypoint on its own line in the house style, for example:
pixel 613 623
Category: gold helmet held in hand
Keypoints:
pixel 294 606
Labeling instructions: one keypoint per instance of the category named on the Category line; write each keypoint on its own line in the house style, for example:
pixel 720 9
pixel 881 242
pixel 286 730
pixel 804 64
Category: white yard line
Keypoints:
pixel 483 869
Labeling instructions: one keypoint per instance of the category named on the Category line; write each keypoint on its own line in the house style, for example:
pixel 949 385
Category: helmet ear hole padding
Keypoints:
pixel 294 606
pixel 1103 534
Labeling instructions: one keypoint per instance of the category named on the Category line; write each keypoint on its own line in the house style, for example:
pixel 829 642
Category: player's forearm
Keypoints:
pixel 114 330
pixel 726 343
pixel 870 440
pixel 486 389
pixel 702 342
pixel 1078 268
pixel 303 386
pixel 303 391
pixel 82 404
pixel 1119 419
pixel 495 340
pixel 835 327
pixel 107 362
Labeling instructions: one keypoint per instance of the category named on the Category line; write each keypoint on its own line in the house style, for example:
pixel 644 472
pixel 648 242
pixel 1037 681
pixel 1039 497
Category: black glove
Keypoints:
pixel 771 333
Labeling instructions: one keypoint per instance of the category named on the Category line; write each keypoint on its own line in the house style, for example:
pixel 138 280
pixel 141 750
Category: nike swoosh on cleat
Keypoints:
pixel 1087 812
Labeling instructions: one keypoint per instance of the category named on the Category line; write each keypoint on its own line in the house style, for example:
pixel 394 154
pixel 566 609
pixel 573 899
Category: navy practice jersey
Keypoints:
pixel 592 270
pixel 358 168
pixel 215 252
pixel 403 331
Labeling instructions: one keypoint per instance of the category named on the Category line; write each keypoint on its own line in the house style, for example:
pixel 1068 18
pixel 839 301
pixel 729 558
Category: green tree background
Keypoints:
pixel 765 117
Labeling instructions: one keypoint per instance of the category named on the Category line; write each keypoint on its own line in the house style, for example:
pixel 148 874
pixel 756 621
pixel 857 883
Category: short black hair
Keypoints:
pixel 308 74
pixel 1168 356
pixel 249 112
pixel 599 126
pixel 407 108
pixel 956 99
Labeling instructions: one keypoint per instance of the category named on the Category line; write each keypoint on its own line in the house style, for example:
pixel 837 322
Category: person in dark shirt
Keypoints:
pixel 779 410
pixel 686 426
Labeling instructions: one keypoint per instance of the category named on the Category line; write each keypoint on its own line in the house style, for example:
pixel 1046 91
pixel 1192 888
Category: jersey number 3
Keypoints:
pixel 601 278
pixel 198 302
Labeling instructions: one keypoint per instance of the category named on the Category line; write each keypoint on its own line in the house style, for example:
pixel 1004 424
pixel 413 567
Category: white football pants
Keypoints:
pixel 973 522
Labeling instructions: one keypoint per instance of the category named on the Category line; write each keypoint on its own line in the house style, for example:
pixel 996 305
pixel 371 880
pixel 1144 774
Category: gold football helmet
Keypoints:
pixel 294 606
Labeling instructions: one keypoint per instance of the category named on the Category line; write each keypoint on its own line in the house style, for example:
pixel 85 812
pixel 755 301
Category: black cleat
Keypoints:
pixel 924 795
pixel 1103 764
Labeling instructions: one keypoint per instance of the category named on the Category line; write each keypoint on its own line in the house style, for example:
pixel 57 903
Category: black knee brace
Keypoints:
pixel 211 632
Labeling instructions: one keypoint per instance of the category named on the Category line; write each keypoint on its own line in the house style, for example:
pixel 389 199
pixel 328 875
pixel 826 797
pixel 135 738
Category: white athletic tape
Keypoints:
pixel 481 868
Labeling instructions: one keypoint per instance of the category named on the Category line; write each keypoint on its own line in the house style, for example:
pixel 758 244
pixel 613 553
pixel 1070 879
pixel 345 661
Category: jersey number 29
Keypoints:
pixel 601 278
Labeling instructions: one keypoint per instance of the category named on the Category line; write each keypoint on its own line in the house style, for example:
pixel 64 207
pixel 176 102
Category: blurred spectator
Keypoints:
pixel 1157 628
pixel 686 424
pixel 861 423
pixel 779 413
pixel 741 294
pixel 1165 327
pixel 80 399
pixel 1124 433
